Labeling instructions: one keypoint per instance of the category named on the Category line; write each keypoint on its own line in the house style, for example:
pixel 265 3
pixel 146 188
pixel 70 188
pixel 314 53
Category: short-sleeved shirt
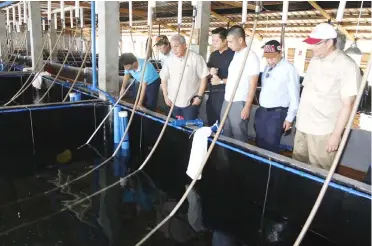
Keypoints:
pixel 252 67
pixel 196 69
pixel 327 81
pixel 222 62
pixel 150 73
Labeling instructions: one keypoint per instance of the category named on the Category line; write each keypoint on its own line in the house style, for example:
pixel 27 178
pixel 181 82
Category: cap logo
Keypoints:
pixel 269 49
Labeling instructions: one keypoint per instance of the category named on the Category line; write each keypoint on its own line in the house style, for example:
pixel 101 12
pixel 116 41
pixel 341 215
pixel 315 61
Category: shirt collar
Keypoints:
pixel 139 66
pixel 331 56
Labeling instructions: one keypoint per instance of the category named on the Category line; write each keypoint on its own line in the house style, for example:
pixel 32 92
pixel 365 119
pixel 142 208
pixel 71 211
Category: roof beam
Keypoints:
pixel 329 17
pixel 223 18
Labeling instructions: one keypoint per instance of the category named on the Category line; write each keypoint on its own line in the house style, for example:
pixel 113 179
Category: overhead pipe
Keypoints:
pixel 25 16
pixel 340 11
pixel 94 55
pixel 19 14
pixel 6 3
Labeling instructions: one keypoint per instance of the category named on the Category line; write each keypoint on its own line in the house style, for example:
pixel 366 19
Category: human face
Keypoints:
pixel 218 43
pixel 128 67
pixel 322 49
pixel 273 60
pixel 234 43
pixel 178 49
pixel 164 48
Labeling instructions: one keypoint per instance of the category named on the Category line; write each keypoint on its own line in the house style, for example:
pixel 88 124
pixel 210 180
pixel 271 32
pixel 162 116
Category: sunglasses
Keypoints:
pixel 268 72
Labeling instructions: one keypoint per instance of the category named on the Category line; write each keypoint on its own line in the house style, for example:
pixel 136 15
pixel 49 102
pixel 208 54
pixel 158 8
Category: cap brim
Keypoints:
pixel 312 40
pixel 270 55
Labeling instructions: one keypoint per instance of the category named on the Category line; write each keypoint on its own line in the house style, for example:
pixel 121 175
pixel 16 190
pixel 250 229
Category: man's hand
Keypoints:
pixel 213 71
pixel 167 101
pixel 215 80
pixel 287 125
pixel 333 142
pixel 196 101
pixel 121 92
pixel 245 113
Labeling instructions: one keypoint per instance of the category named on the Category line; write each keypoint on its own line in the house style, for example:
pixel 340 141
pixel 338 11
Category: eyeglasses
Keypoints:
pixel 268 72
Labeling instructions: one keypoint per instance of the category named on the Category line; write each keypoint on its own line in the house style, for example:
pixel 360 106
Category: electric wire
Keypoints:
pixel 78 74
pixel 59 72
pixel 337 157
pixel 115 152
pixel 18 50
pixel 107 160
pixel 50 55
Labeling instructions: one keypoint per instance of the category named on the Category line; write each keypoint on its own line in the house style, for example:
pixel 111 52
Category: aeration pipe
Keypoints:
pixel 94 56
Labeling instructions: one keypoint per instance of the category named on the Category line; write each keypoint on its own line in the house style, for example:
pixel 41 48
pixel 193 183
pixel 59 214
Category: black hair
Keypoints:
pixel 221 31
pixel 237 31
pixel 127 59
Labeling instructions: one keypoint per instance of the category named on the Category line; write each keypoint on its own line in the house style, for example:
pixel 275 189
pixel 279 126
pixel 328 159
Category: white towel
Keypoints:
pixel 198 151
pixel 39 80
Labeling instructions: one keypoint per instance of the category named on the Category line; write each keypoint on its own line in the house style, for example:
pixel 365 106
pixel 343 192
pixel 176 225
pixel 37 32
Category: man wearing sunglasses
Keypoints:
pixel 330 86
pixel 279 98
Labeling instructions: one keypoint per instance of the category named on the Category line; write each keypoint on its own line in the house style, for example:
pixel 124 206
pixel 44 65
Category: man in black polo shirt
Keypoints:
pixel 218 63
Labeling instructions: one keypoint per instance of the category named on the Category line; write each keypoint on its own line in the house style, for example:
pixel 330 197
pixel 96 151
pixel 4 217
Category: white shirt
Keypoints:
pixel 252 67
pixel 164 58
pixel 281 88
pixel 195 70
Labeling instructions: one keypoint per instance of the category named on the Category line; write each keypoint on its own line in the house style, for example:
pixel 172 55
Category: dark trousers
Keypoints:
pixel 188 113
pixel 269 128
pixel 151 94
pixel 214 106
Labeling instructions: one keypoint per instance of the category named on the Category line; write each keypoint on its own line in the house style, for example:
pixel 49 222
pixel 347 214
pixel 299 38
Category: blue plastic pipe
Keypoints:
pixel 117 134
pixel 123 121
pixel 94 56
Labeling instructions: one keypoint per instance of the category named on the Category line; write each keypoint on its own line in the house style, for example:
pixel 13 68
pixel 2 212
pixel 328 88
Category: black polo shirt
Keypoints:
pixel 222 62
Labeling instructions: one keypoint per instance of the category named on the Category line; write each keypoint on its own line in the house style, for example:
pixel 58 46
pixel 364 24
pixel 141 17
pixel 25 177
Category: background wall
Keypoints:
pixel 298 48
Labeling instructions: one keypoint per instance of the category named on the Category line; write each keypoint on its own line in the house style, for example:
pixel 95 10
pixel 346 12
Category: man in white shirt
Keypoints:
pixel 193 83
pixel 163 45
pixel 236 125
pixel 279 98
pixel 330 85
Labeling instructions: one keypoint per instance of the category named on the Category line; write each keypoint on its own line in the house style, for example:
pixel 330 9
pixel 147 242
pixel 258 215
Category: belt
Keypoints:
pixel 275 109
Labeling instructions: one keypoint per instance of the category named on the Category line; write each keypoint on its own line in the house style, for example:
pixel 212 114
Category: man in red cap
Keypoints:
pixel 330 86
pixel 279 98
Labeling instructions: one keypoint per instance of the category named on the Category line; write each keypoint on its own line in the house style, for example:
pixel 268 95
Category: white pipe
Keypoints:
pixel 25 18
pixel 77 8
pixel 49 10
pixel 72 17
pixel 340 11
pixel 149 13
pixel 130 13
pixel 7 17
pixel 179 22
pixel 43 23
pixel 62 3
pixel 29 16
pixel 82 17
pixel 14 15
pixel 244 11
pixel 194 2
pixel 285 11
pixel 19 14
pixel 55 21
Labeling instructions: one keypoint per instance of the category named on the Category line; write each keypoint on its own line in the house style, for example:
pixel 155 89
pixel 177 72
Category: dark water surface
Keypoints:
pixel 119 216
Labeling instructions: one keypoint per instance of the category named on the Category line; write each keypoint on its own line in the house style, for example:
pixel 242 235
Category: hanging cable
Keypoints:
pixel 117 149
pixel 338 155
pixel 78 74
pixel 20 91
pixel 183 198
pixel 60 70
pixel 119 145
pixel 18 50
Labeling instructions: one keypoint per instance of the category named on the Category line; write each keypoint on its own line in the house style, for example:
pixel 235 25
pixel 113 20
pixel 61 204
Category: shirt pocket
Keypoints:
pixel 327 83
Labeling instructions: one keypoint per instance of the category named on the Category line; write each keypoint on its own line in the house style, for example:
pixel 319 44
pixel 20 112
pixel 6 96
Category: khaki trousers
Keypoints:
pixel 311 149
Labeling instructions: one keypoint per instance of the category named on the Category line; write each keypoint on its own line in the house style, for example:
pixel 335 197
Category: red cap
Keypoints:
pixel 312 40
